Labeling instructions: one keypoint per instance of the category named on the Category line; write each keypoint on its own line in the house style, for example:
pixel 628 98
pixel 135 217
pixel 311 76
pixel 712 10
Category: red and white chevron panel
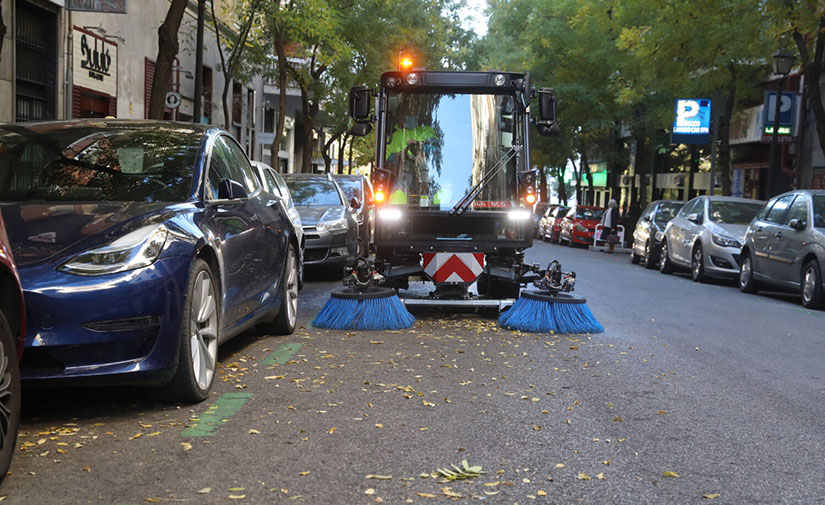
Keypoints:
pixel 453 267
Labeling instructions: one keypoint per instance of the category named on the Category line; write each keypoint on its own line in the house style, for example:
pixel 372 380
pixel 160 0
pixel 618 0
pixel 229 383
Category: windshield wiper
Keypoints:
pixel 471 195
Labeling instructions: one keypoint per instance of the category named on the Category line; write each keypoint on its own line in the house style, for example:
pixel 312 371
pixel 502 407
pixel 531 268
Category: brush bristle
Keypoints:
pixel 538 316
pixel 387 313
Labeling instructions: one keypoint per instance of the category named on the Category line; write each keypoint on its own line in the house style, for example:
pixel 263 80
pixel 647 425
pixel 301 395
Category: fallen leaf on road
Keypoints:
pixel 151 500
pixel 668 473
pixel 236 489
pixel 379 477
pixel 618 419
pixel 274 377
pixel 426 495
pixel 87 469
pixel 205 490
pixel 237 496
pixel 559 465
pixel 541 493
pixel 450 493
pixel 376 342
pixel 303 473
pixel 661 412
pixel 583 476
pixel 136 435
pixel 600 476
pixel 369 491
pixel 332 430
pixel 711 496
pixel 254 432
pixel 186 446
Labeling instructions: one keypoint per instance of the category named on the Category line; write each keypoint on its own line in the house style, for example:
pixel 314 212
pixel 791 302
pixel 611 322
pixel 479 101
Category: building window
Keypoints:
pixel 206 115
pixel 237 103
pixel 36 69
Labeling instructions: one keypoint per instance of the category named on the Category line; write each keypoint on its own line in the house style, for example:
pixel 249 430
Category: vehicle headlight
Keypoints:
pixel 333 220
pixel 660 236
pixel 389 214
pixel 137 249
pixel 724 241
pixel 519 215
pixel 580 228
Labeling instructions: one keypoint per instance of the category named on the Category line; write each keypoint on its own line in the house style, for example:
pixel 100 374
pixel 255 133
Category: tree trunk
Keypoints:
pixel 813 70
pixel 342 153
pixel 306 112
pixel 591 192
pixel 282 84
pixel 349 158
pixel 577 174
pixel 562 188
pixel 167 50
pixel 723 163
pixel 543 196
pixel 325 151
pixel 2 30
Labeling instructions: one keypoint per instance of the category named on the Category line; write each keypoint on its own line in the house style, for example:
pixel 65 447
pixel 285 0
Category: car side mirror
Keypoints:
pixel 355 203
pixel 546 122
pixel 360 129
pixel 646 218
pixel 693 218
pixel 797 224
pixel 231 190
pixel 359 104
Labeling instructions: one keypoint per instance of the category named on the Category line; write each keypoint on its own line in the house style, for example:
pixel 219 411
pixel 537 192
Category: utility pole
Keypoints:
pixel 197 114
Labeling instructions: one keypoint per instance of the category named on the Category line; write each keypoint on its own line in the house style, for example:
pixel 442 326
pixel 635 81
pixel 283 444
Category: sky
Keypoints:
pixel 473 16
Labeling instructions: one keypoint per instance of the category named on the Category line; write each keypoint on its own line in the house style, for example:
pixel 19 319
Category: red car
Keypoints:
pixel 552 227
pixel 579 224
pixel 12 329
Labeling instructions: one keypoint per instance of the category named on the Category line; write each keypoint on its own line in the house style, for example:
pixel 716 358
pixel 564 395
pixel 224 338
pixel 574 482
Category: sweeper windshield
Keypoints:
pixel 439 146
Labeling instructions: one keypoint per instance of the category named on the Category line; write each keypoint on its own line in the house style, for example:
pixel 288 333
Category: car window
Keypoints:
pixel 589 214
pixel 798 210
pixel 283 187
pixel 222 165
pixel 688 208
pixel 728 212
pixel 248 178
pixel 819 211
pixel 271 183
pixel 777 211
pixel 667 211
pixel 561 211
pixel 764 212
pixel 351 187
pixel 368 190
pixel 311 191
pixel 699 210
pixel 648 212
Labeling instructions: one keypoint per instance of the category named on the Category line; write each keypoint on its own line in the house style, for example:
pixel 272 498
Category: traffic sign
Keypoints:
pixel 692 122
pixel 172 100
pixel 787 118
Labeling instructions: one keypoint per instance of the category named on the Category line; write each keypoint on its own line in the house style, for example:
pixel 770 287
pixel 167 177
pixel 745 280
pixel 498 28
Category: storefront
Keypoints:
pixel 94 75
pixel 36 54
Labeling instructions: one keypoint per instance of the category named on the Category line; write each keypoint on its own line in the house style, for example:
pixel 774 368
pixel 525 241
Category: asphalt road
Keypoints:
pixel 694 389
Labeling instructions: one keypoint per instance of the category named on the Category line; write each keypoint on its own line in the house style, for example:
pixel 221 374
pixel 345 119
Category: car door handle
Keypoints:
pixel 778 234
pixel 758 228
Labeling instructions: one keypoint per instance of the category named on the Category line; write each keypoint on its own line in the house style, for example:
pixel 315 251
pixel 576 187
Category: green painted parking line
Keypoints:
pixel 216 414
pixel 282 354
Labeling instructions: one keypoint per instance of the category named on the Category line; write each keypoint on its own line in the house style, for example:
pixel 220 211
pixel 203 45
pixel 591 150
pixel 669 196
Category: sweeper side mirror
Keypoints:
pixel 359 104
pixel 546 122
pixel 355 203
pixel 231 190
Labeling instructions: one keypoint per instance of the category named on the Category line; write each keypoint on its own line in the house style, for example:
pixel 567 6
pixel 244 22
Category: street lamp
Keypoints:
pixel 783 61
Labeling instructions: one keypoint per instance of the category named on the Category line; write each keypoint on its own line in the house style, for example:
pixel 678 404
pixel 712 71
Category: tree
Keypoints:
pixel 167 51
pixel 235 43
pixel 2 29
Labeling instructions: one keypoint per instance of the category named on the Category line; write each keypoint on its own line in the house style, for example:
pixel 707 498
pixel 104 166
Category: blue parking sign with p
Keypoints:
pixel 692 121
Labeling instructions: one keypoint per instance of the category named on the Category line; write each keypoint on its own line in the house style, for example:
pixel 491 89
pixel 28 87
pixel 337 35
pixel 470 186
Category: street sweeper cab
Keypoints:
pixel 453 183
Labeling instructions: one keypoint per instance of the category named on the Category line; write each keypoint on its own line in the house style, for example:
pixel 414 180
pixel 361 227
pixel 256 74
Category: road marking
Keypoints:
pixel 227 405
pixel 282 354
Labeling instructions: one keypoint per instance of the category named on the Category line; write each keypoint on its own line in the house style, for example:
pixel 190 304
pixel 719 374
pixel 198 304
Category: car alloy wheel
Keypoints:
pixel 665 266
pixel 698 264
pixel 287 317
pixel 9 396
pixel 634 258
pixel 812 296
pixel 647 257
pixel 746 282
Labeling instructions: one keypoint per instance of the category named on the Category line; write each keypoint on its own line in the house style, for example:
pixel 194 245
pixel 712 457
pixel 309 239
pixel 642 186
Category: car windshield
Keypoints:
pixel 351 188
pixel 439 146
pixel 727 212
pixel 589 214
pixel 667 211
pixel 97 163
pixel 313 192
pixel 819 211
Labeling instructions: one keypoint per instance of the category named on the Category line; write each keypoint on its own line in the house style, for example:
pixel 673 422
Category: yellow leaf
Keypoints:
pixel 426 495
pixel 376 342
pixel 136 435
pixel 559 465
pixel 151 500
pixel 144 425
pixel 205 490
pixel 607 461
pixel 254 432
pixel 618 419
pixel 711 496
pixel 379 425
pixel 332 430
pixel 661 412
pixel 237 496
pixel 303 473
pixel 583 476
pixel 186 446
pixel 541 493
pixel 87 469
pixel 536 427
pixel 236 489
pixel 274 377
pixel 491 493
pixel 492 484
pixel 450 493
pixel 600 476
pixel 369 491
pixel 153 434
pixel 379 477
pixel 668 473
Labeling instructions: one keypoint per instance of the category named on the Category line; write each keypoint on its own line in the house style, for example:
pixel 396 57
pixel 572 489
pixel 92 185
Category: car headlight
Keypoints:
pixel 333 220
pixel 137 249
pixel 724 241
pixel 580 228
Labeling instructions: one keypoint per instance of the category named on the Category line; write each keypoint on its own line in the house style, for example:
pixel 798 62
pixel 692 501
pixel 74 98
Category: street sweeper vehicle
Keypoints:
pixel 454 191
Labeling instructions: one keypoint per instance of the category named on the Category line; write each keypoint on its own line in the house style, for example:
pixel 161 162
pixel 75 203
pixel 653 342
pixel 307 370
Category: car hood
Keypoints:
pixel 39 231
pixel 735 231
pixel 310 215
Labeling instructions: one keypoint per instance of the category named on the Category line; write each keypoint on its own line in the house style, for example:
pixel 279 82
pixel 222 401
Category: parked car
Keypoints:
pixel 551 223
pixel 706 236
pixel 784 247
pixel 539 211
pixel 12 329
pixel 275 185
pixel 141 247
pixel 358 186
pixel 579 224
pixel 647 235
pixel 330 229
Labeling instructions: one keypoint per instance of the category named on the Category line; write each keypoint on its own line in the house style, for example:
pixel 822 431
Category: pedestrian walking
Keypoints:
pixel 610 223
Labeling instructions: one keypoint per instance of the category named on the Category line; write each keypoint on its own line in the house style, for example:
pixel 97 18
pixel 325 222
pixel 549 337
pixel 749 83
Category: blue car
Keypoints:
pixel 141 247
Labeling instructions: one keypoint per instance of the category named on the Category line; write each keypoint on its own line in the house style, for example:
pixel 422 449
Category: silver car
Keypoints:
pixel 785 247
pixel 706 236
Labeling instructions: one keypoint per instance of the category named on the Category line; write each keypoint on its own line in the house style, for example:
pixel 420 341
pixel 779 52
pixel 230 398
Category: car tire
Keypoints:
pixel 747 284
pixel 697 264
pixel 286 320
pixel 199 336
pixel 665 265
pixel 634 258
pixel 9 396
pixel 812 296
pixel 648 257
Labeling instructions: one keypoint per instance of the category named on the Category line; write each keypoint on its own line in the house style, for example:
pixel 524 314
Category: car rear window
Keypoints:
pixel 819 211
pixel 589 214
pixel 311 192
pixel 727 212
pixel 667 211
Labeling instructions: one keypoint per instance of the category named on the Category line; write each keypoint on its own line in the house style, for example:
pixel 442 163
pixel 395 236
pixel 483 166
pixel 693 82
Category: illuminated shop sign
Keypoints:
pixel 692 122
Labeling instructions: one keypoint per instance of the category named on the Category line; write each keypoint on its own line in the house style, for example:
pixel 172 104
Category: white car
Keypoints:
pixel 274 185
pixel 706 236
